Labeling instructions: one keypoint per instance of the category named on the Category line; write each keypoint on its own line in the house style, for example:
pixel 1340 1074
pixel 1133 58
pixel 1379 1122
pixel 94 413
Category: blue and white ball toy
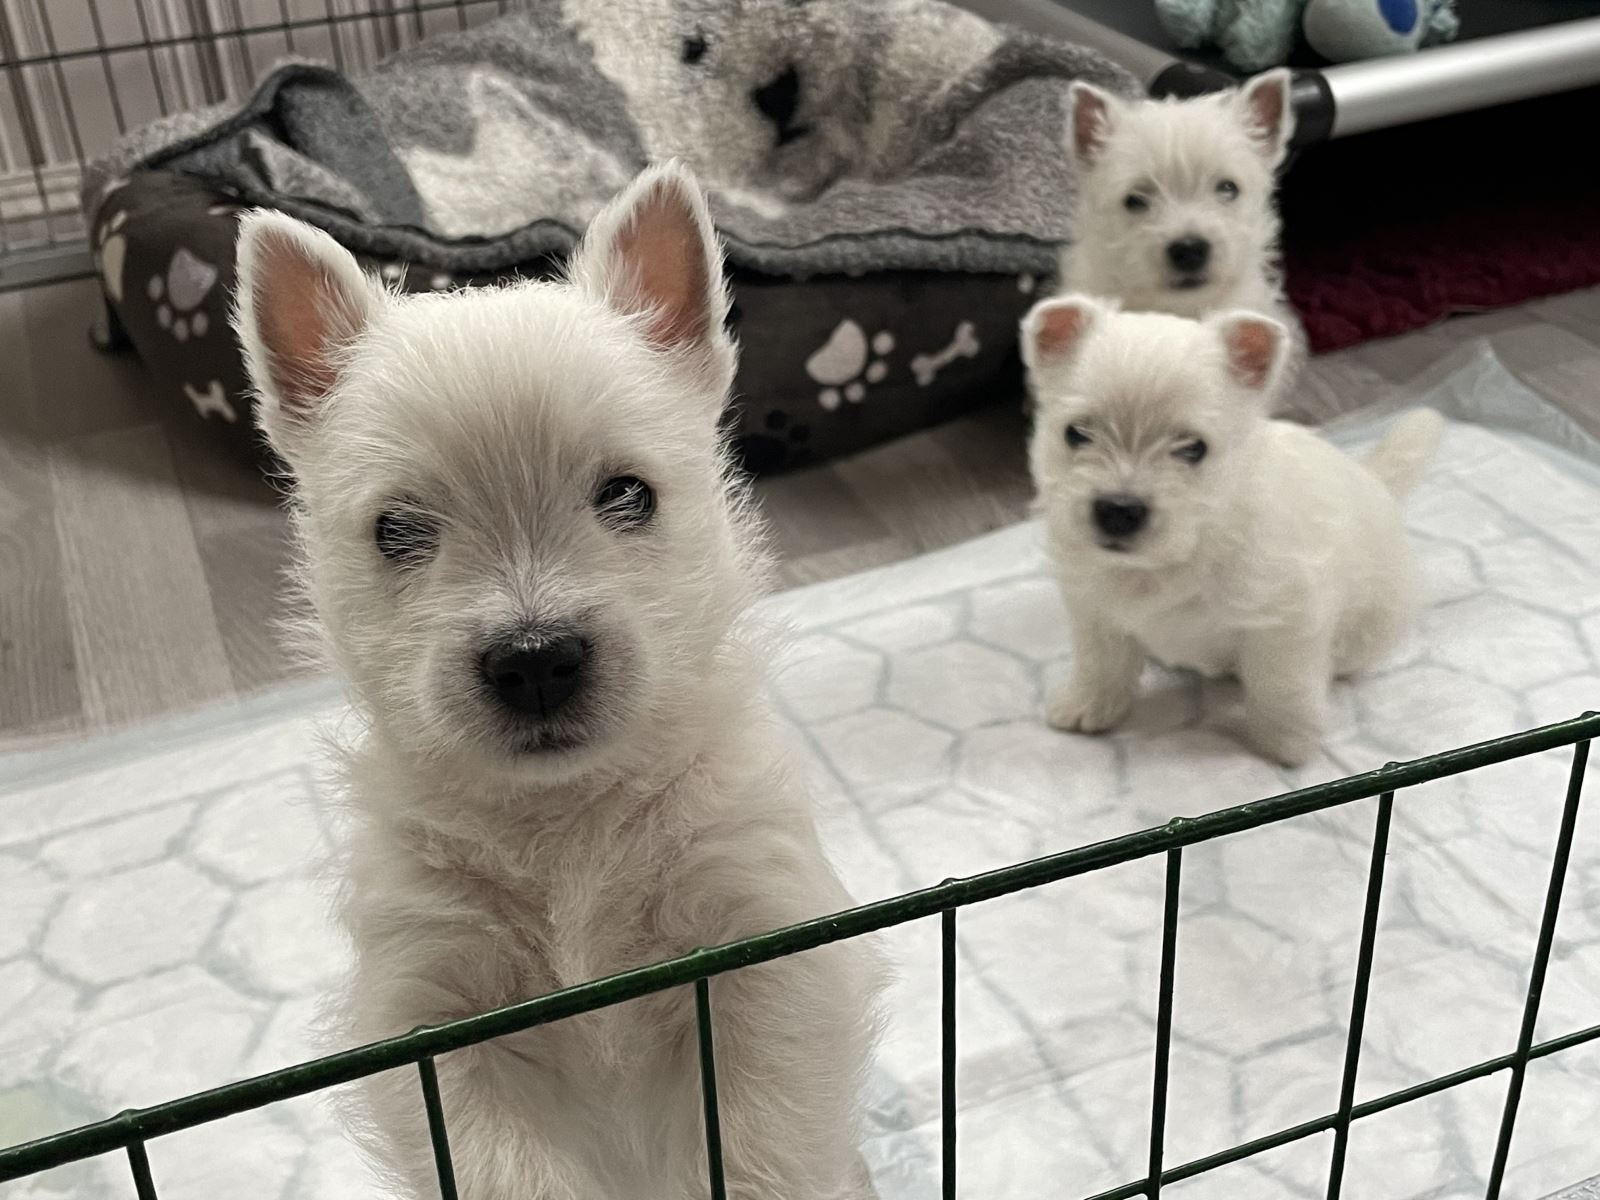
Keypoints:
pixel 1347 30
pixel 1256 34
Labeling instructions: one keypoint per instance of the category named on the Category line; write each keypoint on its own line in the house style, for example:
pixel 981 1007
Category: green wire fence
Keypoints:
pixel 129 1131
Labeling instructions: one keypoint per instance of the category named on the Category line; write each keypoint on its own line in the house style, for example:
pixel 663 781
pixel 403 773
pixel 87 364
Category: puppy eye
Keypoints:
pixel 694 48
pixel 625 502
pixel 1135 203
pixel 1228 190
pixel 405 535
pixel 1191 452
pixel 1077 437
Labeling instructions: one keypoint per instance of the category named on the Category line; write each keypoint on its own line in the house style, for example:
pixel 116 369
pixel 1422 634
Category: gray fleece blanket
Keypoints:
pixel 834 135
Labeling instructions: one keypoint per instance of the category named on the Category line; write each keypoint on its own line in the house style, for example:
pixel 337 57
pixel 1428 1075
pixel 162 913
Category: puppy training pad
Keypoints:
pixel 888 178
pixel 163 932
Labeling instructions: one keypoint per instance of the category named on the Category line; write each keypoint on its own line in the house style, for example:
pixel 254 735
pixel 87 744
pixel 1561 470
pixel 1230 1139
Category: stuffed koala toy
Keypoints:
pixel 1256 34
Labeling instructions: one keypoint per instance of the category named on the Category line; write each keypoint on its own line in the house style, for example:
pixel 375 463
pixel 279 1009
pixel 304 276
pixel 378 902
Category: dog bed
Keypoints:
pixel 887 178
pixel 164 931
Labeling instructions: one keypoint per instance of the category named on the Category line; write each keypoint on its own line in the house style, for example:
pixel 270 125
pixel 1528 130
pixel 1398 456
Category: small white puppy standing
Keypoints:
pixel 1188 527
pixel 1175 208
pixel 520 533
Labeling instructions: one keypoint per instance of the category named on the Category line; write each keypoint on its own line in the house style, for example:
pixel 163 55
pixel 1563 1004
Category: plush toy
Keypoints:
pixel 1256 34
pixel 1347 30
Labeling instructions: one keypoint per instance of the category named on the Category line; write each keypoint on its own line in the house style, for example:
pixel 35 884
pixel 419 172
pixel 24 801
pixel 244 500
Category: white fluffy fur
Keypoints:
pixel 1173 154
pixel 481 871
pixel 1275 558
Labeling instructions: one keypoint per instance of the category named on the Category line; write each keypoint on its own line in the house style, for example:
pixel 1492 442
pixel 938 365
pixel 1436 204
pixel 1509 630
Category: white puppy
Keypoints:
pixel 1189 528
pixel 1175 207
pixel 520 535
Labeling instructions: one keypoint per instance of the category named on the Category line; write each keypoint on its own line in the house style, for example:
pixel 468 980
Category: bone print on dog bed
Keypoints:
pixel 888 179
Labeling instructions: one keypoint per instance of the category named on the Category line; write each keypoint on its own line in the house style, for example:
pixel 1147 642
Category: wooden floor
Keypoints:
pixel 139 569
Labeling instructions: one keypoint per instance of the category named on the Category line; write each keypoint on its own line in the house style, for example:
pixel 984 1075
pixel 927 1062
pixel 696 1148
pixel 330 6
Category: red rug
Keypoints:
pixel 1388 232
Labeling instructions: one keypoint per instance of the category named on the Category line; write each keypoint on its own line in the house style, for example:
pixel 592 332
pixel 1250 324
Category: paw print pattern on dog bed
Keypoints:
pixel 179 292
pixel 847 363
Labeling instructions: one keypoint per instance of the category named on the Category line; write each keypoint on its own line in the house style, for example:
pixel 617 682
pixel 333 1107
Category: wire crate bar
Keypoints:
pixel 1358 1005
pixel 77 75
pixel 129 1131
pixel 437 1132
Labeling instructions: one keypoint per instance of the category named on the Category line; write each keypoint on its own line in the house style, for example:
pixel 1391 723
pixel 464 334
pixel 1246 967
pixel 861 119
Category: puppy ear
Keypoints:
pixel 1266 105
pixel 1054 329
pixel 652 253
pixel 302 303
pixel 1091 115
pixel 1255 348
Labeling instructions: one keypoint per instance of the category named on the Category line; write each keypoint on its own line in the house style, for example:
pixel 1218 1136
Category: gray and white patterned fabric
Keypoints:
pixel 834 136
pixel 164 929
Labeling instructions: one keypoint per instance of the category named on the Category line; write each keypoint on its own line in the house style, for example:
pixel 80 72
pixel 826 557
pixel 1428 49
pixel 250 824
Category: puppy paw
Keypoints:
pixel 1078 711
pixel 1286 746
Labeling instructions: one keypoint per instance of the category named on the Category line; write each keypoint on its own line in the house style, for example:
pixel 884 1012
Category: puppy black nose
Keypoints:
pixel 536 675
pixel 779 100
pixel 1119 515
pixel 1189 253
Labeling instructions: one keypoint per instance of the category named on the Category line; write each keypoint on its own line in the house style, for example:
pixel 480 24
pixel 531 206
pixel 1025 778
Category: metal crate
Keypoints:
pixel 131 1130
pixel 75 75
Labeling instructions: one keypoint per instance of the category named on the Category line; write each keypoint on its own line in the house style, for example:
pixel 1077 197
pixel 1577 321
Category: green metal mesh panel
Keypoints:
pixel 130 1130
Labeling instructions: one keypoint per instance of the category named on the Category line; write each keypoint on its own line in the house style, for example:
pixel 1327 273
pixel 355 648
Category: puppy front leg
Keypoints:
pixel 1285 674
pixel 793 1040
pixel 1106 665
pixel 495 1116
pixel 502 1099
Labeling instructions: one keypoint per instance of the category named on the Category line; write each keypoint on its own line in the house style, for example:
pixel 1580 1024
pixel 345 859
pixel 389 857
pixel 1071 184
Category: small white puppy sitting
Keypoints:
pixel 1189 528
pixel 1175 208
pixel 521 538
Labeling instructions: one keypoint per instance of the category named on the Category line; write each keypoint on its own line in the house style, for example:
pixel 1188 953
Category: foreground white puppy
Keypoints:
pixel 1190 528
pixel 1175 207
pixel 519 534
